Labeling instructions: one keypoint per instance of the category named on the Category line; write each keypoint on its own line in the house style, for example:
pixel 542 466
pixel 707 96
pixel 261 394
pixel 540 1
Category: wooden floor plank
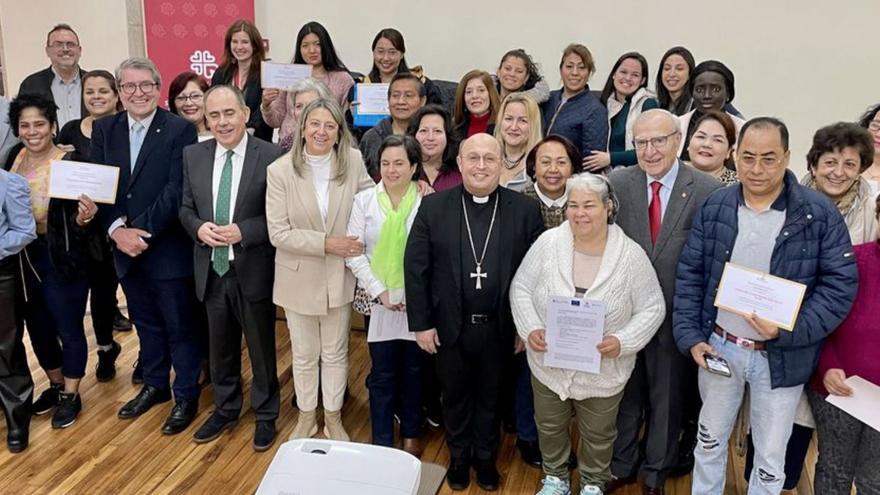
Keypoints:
pixel 102 454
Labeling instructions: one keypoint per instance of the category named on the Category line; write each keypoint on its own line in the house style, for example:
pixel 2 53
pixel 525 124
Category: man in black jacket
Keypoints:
pixel 61 82
pixel 224 211
pixel 463 250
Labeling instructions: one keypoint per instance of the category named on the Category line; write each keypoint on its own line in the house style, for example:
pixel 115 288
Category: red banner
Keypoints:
pixel 185 35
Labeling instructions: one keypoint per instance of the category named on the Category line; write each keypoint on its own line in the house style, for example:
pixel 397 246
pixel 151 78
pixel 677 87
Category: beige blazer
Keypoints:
pixel 307 280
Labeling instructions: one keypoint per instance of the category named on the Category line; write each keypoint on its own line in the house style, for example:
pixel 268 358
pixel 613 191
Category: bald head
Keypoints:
pixel 479 159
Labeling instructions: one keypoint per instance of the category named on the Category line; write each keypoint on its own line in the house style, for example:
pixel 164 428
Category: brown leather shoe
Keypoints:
pixel 413 446
pixel 650 490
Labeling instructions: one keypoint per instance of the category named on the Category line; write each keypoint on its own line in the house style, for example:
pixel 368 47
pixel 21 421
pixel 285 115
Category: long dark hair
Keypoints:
pixel 608 90
pixel 396 40
pixel 531 68
pixel 329 59
pixel 663 97
pixel 451 151
pixel 259 51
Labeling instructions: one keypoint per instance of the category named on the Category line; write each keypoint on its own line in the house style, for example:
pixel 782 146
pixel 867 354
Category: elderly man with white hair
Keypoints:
pixel 659 199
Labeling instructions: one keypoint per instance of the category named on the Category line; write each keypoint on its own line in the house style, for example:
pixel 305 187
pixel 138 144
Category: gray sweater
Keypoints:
pixel 370 145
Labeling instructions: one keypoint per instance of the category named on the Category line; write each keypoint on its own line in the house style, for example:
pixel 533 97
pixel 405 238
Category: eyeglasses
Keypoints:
pixel 874 126
pixel 64 45
pixel 658 142
pixel 750 161
pixel 391 52
pixel 195 98
pixel 145 87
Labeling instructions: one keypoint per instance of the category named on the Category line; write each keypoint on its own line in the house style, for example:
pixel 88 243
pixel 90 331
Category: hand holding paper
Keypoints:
pixel 773 301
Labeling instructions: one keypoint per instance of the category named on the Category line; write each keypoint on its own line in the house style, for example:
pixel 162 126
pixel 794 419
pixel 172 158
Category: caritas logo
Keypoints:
pixel 203 63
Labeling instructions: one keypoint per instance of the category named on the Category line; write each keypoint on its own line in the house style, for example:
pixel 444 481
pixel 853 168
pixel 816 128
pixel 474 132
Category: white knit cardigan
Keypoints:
pixel 626 283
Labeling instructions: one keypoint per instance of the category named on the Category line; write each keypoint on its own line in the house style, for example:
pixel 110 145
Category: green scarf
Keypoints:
pixel 387 259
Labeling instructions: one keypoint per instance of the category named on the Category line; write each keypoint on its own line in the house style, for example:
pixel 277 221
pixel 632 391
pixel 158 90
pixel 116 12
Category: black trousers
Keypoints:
pixel 656 394
pixel 230 315
pixel 470 372
pixel 16 386
pixel 103 284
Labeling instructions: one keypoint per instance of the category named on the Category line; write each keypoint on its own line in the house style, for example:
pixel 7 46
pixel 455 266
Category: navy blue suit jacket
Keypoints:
pixel 148 197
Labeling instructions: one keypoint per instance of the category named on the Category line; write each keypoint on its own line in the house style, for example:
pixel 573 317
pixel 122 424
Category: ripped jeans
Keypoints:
pixel 772 416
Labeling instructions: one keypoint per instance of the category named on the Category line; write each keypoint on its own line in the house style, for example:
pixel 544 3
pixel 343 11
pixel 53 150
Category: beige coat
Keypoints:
pixel 307 280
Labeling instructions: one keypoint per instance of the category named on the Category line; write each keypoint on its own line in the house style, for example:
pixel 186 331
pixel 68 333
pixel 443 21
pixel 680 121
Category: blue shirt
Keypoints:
pixel 17 226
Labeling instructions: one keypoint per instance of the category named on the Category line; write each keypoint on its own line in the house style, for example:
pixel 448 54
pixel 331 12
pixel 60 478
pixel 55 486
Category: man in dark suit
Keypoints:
pixel 463 250
pixel 658 200
pixel 224 211
pixel 152 252
pixel 61 82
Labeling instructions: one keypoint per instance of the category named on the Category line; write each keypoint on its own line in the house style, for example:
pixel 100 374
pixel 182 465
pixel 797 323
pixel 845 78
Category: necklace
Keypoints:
pixel 511 164
pixel 479 274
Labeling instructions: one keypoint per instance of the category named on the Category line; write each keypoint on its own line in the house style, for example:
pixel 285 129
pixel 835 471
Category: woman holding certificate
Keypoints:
pixel 381 219
pixel 54 266
pixel 315 48
pixel 848 452
pixel 309 197
pixel 587 260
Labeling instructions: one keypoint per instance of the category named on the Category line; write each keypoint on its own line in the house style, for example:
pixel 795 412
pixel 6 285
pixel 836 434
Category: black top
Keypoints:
pixel 484 300
pixel 71 133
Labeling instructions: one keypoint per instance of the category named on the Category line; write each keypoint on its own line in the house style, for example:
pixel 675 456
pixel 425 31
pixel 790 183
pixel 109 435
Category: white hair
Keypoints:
pixel 597 184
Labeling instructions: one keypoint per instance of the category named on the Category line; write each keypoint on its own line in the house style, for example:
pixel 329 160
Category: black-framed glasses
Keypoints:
pixel 144 86
pixel 657 142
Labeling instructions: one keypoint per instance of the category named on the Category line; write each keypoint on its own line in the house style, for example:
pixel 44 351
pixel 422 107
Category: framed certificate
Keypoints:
pixel 70 180
pixel 745 291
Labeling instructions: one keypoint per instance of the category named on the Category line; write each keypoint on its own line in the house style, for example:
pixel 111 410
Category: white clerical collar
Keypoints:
pixel 480 200
pixel 549 202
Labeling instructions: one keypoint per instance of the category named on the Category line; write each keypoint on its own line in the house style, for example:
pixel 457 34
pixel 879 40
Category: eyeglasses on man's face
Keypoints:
pixel 658 142
pixel 144 86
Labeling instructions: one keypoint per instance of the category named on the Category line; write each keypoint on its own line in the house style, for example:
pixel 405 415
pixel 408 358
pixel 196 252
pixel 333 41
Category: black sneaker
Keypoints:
pixel 137 375
pixel 120 322
pixel 69 406
pixel 106 369
pixel 48 399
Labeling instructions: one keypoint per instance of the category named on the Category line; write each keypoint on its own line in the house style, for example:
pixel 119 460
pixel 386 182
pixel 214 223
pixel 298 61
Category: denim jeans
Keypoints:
pixel 772 416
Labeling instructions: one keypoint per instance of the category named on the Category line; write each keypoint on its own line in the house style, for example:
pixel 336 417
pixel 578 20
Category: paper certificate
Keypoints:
pixel 283 76
pixel 372 99
pixel 863 404
pixel 745 291
pixel 575 327
pixel 69 180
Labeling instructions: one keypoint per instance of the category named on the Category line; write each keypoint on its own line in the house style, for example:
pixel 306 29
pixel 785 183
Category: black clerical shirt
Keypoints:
pixel 486 299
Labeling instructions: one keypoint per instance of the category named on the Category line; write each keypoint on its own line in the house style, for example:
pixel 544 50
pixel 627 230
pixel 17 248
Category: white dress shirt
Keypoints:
pixel 666 183
pixel 237 166
pixel 549 202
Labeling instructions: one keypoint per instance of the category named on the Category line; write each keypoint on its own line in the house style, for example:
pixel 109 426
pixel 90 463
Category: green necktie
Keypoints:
pixel 221 214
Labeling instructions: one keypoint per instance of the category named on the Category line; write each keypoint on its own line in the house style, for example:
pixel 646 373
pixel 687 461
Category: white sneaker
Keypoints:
pixel 554 486
pixel 590 490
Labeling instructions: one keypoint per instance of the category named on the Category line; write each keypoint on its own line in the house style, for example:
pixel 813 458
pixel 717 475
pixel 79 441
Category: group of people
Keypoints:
pixel 449 231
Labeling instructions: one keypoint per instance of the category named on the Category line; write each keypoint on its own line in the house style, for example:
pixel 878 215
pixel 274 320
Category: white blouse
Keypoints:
pixel 366 223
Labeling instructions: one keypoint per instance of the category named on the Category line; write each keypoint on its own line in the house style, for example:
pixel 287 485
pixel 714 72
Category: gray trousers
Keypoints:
pixel 849 451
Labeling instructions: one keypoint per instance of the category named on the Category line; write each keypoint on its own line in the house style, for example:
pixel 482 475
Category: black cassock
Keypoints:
pixel 475 326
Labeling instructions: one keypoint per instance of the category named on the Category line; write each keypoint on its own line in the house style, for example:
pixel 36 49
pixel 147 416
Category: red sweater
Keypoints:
pixel 855 345
pixel 477 125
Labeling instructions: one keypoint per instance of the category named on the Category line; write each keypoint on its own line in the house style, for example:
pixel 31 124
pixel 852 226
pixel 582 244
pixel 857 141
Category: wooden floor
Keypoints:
pixel 101 454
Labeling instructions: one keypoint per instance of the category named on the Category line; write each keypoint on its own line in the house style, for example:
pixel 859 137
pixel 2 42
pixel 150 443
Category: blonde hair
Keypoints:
pixel 533 113
pixel 341 148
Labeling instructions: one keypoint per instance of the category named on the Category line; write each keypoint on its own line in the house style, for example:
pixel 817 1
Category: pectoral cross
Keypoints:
pixel 479 275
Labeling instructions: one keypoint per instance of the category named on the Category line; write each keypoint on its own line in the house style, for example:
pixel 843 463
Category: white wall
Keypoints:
pixel 100 24
pixel 808 62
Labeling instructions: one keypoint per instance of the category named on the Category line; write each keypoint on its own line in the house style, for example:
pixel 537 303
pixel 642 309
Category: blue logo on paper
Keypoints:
pixel 575 302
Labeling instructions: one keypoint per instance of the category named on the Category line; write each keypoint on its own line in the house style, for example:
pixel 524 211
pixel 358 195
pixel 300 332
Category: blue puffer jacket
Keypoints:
pixel 813 248
pixel 582 119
